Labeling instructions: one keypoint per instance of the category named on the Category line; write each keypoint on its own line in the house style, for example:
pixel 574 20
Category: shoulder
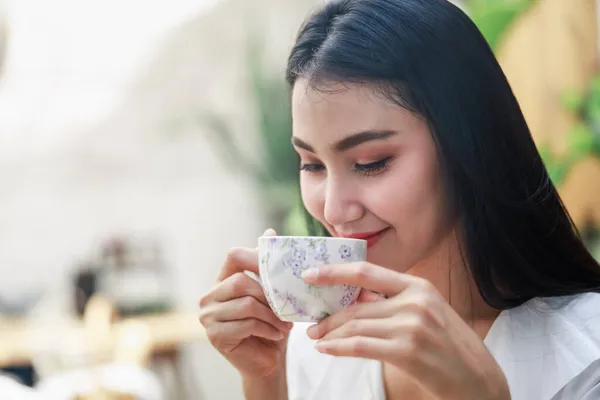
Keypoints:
pixel 549 319
pixel 544 343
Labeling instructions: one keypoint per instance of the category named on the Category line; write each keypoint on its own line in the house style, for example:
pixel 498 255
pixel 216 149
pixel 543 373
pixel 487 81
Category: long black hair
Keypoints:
pixel 429 57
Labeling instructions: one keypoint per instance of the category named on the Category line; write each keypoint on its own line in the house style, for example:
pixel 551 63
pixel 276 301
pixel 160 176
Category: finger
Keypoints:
pixel 270 232
pixel 363 274
pixel 247 307
pixel 423 365
pixel 367 296
pixel 384 328
pixel 359 346
pixel 237 285
pixel 229 331
pixel 372 310
pixel 239 259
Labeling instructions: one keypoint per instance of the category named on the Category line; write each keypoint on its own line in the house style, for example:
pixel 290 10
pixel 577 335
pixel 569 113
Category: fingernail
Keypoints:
pixel 286 326
pixel 269 232
pixel 312 331
pixel 321 346
pixel 310 274
pixel 280 336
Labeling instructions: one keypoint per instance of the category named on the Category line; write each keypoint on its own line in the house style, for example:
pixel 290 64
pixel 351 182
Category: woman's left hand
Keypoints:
pixel 414 329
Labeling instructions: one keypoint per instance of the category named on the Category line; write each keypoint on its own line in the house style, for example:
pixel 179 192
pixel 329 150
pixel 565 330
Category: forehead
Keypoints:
pixel 336 110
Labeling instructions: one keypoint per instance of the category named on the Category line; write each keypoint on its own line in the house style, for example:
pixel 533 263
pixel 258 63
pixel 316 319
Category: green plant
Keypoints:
pixel 590 233
pixel 275 171
pixel 583 142
pixel 271 102
pixel 584 137
pixel 595 249
pixel 494 17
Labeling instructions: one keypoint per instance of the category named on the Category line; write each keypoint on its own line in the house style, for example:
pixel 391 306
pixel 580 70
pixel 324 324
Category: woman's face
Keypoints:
pixel 369 169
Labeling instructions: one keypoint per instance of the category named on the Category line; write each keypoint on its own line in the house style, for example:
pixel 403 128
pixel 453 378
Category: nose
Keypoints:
pixel 341 203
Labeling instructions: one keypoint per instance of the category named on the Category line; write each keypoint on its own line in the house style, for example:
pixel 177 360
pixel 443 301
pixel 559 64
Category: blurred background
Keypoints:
pixel 139 140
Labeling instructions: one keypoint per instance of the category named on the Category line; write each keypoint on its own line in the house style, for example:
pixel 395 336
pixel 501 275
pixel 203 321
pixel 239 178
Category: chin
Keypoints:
pixel 383 259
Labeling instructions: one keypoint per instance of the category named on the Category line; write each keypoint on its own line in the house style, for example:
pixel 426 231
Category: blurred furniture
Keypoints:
pixel 106 395
pixel 85 285
pixel 111 359
pixel 109 366
pixel 133 275
pixel 17 302
pixel 109 381
pixel 24 374
pixel 63 347
pixel 11 389
pixel 20 337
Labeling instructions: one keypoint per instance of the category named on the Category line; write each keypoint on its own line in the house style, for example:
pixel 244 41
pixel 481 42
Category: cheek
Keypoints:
pixel 410 188
pixel 422 222
pixel 411 199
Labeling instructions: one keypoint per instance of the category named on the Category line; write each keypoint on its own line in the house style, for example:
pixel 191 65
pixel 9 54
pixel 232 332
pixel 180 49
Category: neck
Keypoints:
pixel 445 268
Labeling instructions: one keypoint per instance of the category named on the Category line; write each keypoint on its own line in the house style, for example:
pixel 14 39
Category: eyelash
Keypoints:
pixel 373 168
pixel 369 169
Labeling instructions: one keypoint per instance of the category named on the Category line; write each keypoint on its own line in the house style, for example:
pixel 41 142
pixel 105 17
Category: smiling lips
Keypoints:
pixel 371 237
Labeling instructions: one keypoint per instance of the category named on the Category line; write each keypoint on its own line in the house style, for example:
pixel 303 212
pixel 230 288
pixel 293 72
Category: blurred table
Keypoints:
pixel 21 339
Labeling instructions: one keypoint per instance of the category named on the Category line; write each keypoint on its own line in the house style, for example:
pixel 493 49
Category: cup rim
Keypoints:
pixel 328 238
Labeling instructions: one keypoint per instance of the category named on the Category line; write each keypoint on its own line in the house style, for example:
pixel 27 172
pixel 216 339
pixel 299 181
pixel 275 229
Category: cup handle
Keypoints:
pixel 255 277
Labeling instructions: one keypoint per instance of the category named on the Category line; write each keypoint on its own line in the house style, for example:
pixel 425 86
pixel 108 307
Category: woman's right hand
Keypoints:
pixel 239 322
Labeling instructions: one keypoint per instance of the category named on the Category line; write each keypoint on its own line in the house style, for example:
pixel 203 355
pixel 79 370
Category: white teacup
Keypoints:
pixel 282 259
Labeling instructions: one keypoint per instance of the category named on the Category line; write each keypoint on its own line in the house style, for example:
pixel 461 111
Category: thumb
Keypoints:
pixel 270 232
pixel 367 296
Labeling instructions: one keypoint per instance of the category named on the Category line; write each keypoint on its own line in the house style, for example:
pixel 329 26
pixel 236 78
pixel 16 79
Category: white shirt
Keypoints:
pixel 541 346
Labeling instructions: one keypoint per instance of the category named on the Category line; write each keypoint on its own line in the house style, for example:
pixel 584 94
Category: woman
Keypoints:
pixel 409 136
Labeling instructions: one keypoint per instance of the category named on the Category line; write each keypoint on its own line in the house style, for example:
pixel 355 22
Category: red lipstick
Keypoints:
pixel 371 237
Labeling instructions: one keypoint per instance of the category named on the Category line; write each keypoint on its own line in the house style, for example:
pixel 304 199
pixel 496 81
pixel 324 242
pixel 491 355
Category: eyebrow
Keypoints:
pixel 349 142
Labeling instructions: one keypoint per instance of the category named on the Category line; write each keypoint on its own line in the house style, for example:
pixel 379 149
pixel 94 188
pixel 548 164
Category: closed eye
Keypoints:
pixel 312 168
pixel 373 168
pixel 369 169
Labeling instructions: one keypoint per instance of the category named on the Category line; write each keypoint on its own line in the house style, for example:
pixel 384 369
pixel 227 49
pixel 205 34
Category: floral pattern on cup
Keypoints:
pixel 284 259
pixel 345 252
pixel 321 253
